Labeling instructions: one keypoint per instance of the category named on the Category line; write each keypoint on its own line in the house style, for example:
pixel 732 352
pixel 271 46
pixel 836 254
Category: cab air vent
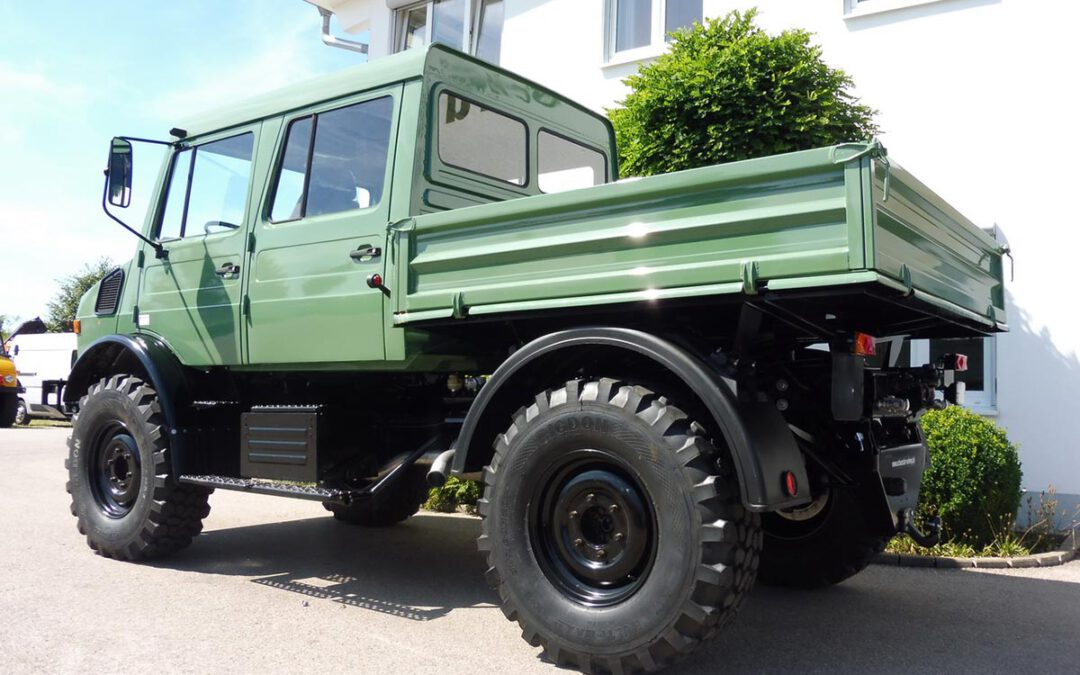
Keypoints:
pixel 109 292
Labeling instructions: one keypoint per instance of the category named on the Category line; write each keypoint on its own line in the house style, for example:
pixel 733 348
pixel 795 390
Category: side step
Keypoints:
pixel 268 487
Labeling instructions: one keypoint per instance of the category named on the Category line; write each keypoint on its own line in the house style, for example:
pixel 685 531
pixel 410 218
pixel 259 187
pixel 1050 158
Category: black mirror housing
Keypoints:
pixel 119 172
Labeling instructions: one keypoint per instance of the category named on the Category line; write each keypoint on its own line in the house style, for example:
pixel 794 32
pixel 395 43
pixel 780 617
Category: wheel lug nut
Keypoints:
pixel 614 508
pixel 573 514
pixel 601 554
pixel 619 536
pixel 590 497
pixel 579 542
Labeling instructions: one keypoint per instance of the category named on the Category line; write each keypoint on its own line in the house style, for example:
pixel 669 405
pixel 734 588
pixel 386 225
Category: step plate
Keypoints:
pixel 267 487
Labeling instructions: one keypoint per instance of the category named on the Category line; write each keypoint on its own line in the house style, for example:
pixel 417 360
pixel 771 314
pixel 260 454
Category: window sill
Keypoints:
pixel 645 53
pixel 882 6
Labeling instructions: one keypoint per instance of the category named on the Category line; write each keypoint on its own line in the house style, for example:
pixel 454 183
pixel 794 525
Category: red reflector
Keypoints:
pixel 961 362
pixel 374 281
pixel 865 345
pixel 791 486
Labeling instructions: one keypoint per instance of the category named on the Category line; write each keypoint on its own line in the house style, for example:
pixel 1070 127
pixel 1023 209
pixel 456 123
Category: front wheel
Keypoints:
pixel 613 528
pixel 22 415
pixel 122 492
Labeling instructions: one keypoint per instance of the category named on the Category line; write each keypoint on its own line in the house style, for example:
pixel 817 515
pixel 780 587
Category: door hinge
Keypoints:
pixel 140 259
pixel 251 242
pixel 245 306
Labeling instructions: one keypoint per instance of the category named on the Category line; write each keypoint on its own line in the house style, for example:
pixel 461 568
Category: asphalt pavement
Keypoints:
pixel 276 585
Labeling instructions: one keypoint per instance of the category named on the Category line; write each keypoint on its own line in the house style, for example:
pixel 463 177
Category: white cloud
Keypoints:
pixel 274 64
pixel 53 241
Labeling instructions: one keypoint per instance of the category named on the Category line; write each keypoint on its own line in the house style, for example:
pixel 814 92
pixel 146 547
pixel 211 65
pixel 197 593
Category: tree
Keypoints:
pixel 64 304
pixel 728 91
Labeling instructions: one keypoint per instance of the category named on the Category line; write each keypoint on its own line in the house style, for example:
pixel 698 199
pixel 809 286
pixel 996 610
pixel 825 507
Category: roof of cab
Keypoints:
pixel 398 67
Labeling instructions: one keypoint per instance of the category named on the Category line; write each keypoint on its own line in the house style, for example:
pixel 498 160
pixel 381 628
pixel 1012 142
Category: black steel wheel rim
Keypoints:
pixel 593 528
pixel 115 470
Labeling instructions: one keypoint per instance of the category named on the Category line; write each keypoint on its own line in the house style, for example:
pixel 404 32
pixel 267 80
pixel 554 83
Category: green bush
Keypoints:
pixel 729 91
pixel 455 493
pixel 973 483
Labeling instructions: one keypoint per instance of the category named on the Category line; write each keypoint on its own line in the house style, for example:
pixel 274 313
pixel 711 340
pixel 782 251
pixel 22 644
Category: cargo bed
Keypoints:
pixel 832 220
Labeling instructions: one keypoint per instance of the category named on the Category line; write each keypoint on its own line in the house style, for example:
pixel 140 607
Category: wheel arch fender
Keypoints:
pixel 761 444
pixel 146 357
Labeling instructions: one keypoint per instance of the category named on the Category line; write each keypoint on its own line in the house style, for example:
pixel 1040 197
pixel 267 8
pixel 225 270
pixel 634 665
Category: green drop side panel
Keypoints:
pixel 723 229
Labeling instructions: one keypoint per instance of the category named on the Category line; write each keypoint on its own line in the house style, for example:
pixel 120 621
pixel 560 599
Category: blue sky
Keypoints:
pixel 78 73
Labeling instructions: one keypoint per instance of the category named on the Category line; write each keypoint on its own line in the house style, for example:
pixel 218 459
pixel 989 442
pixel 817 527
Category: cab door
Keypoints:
pixel 191 296
pixel 321 234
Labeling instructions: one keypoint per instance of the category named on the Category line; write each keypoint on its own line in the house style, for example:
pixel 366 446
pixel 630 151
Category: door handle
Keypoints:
pixel 365 251
pixel 227 269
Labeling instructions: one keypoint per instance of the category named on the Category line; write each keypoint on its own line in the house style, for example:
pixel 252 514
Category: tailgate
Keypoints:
pixel 913 236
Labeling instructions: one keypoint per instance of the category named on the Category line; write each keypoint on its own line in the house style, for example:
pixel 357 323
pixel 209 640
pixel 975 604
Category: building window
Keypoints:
pixel 857 8
pixel 473 26
pixel 980 379
pixel 480 140
pixel 640 28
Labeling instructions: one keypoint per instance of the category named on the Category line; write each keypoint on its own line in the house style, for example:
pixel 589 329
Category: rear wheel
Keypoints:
pixel 818 545
pixel 613 528
pixel 126 502
pixel 402 502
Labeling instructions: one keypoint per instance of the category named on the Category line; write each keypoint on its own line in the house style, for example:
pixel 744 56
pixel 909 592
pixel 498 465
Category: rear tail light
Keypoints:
pixel 957 362
pixel 865 345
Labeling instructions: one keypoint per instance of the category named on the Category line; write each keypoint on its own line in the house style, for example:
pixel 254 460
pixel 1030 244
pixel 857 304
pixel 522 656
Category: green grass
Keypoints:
pixel 40 424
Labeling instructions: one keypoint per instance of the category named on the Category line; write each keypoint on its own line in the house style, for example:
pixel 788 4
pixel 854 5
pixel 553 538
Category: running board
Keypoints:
pixel 268 487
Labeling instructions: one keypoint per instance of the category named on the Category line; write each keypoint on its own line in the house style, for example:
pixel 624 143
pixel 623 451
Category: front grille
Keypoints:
pixel 108 296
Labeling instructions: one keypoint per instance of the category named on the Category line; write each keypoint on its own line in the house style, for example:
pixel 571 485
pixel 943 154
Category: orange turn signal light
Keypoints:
pixel 865 345
pixel 76 326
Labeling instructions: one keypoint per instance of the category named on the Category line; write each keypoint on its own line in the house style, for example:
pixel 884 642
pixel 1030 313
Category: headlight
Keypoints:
pixel 9 379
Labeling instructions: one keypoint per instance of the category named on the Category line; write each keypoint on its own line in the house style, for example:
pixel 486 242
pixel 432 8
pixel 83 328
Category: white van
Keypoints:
pixel 43 362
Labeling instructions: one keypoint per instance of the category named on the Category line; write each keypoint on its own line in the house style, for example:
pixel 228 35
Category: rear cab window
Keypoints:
pixel 564 164
pixel 481 140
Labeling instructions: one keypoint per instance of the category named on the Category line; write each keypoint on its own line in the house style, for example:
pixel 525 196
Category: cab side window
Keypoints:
pixel 208 188
pixel 334 161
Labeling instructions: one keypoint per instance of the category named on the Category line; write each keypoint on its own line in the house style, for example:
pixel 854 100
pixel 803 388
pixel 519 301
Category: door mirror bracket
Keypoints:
pixel 118 179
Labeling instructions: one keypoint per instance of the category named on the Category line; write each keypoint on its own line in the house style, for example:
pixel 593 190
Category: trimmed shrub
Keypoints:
pixel 729 91
pixel 455 493
pixel 973 483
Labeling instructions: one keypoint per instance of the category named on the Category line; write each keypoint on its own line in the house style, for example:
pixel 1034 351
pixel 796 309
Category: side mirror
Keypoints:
pixel 119 172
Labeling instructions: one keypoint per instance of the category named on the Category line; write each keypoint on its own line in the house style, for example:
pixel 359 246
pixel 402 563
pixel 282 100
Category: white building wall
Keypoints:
pixel 979 98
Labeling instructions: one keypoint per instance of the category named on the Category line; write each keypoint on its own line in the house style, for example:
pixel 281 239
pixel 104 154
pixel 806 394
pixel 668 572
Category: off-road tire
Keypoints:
pixel 9 406
pixel 706 551
pixel 156 516
pixel 400 504
pixel 22 414
pixel 833 546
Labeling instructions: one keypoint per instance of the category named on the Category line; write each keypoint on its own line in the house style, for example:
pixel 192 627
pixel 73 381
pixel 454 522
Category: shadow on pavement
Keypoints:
pixel 886 619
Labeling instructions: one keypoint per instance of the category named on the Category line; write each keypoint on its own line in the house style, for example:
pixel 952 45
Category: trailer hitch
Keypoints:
pixel 907 526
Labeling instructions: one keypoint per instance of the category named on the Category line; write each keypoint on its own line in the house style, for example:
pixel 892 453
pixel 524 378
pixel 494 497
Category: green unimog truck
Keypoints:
pixel 428 266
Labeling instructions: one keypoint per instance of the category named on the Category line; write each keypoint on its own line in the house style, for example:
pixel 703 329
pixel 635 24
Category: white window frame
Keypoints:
pixel 854 9
pixel 471 19
pixel 657 42
pixel 983 402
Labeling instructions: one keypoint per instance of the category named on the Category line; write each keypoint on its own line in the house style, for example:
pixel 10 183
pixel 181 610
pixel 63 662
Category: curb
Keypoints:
pixel 1068 551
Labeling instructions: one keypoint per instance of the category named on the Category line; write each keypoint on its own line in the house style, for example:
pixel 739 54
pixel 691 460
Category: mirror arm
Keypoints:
pixel 159 250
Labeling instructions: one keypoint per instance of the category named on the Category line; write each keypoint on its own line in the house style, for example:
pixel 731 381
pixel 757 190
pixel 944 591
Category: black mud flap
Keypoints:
pixel 900 470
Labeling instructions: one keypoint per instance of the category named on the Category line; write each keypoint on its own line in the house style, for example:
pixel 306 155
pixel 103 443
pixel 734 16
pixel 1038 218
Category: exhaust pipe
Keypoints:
pixel 437 474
